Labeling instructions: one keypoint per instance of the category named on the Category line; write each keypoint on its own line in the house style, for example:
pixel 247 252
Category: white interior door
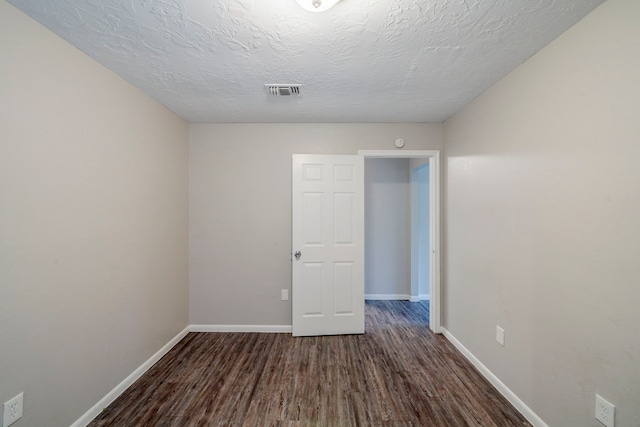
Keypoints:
pixel 328 244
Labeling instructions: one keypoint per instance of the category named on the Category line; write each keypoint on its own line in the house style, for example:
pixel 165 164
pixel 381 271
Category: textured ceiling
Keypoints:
pixel 362 61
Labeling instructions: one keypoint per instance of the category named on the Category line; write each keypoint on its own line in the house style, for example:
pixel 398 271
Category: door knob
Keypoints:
pixel 298 254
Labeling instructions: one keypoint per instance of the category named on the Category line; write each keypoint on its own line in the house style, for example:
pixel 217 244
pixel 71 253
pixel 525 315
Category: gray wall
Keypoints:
pixel 543 211
pixel 420 233
pixel 240 209
pixel 93 225
pixel 387 227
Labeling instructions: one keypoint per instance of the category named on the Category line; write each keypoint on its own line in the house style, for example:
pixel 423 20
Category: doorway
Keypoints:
pixel 425 267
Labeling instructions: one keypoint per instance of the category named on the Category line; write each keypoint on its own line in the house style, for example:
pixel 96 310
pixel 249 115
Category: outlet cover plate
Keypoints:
pixel 500 335
pixel 12 410
pixel 605 411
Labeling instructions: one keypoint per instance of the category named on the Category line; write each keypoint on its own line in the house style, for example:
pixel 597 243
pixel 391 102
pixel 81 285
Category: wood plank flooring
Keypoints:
pixel 397 374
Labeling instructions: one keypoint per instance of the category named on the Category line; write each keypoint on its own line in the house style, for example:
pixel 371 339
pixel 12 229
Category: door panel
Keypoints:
pixel 312 209
pixel 328 230
pixel 343 220
pixel 342 288
pixel 312 288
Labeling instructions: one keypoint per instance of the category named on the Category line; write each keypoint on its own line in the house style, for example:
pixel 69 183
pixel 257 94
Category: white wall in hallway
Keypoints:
pixel 387 227
pixel 420 242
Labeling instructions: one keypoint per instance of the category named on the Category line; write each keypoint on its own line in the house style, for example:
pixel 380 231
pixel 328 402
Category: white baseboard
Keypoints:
pixel 404 297
pixel 531 416
pixel 425 297
pixel 241 328
pixel 95 410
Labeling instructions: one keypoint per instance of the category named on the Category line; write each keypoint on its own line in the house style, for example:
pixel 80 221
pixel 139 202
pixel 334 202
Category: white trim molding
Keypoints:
pixel 402 154
pixel 286 329
pixel 387 297
pixel 527 412
pixel 95 410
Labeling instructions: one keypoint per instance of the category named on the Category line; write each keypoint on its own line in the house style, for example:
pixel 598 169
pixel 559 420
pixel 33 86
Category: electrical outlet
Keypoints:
pixel 605 411
pixel 500 335
pixel 285 295
pixel 12 410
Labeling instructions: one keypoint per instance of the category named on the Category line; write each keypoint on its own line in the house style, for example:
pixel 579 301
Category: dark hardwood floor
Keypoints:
pixel 397 374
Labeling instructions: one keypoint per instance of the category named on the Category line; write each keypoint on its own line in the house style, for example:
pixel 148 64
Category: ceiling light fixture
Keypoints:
pixel 317 5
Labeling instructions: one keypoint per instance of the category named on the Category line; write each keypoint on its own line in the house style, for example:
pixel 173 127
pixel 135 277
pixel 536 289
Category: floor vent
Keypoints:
pixel 284 90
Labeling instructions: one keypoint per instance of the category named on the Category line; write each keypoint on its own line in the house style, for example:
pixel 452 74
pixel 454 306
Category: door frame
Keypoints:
pixel 434 222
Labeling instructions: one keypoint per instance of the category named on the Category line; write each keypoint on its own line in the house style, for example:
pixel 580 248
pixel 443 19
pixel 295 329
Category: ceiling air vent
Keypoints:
pixel 284 90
